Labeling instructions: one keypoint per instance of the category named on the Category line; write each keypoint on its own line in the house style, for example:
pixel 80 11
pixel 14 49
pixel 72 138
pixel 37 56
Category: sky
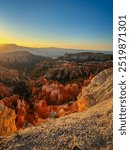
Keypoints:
pixel 80 24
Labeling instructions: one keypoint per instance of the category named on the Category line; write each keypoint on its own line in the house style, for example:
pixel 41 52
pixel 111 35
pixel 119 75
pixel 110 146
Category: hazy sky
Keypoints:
pixel 84 24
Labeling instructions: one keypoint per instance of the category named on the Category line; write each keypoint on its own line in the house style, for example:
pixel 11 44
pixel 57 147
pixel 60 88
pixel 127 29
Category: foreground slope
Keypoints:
pixel 90 129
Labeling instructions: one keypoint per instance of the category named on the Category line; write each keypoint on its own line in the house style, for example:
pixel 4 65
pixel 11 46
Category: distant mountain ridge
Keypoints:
pixel 20 60
pixel 49 51
pixel 88 57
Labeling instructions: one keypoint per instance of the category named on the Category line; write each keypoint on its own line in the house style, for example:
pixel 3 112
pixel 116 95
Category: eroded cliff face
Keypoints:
pixel 70 71
pixel 9 75
pixel 7 120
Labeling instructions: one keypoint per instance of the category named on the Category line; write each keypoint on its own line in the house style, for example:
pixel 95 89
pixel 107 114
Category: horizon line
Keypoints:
pixel 52 47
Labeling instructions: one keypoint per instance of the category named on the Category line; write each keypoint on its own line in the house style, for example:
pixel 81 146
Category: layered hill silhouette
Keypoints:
pixel 87 57
pixel 47 51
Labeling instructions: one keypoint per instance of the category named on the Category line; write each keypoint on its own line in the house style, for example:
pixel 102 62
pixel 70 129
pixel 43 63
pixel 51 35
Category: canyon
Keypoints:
pixel 43 97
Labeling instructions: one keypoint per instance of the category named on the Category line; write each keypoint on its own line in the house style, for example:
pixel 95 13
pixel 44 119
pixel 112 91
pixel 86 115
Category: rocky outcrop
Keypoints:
pixel 42 67
pixel 7 120
pixel 8 75
pixel 100 89
pixel 4 91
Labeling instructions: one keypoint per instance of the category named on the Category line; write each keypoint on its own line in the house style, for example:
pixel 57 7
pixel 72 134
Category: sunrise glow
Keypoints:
pixel 68 27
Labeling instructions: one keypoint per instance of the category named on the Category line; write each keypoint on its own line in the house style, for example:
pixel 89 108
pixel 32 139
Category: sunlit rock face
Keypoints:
pixel 7 120
pixel 100 89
